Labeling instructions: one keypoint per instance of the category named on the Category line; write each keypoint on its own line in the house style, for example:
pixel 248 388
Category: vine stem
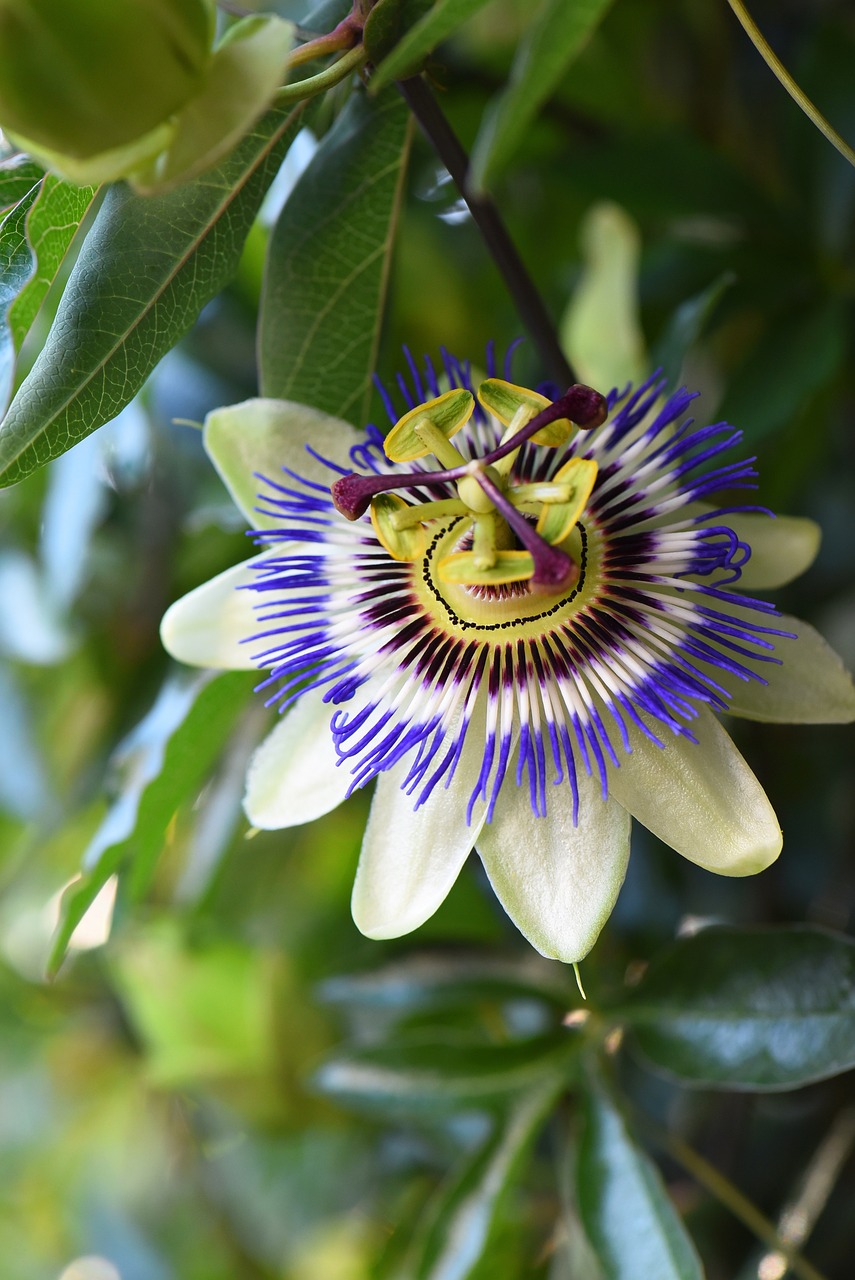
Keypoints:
pixel 730 1196
pixel 485 215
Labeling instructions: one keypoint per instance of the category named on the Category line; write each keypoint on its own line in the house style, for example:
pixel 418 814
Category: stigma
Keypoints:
pixel 507 538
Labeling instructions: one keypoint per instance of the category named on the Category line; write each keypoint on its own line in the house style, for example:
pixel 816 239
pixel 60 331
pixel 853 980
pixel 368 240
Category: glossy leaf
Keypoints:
pixel 451 1243
pixel 166 759
pixel 419 34
pixel 554 38
pixel 52 224
pixel 169 254
pixel 627 1214
pixel 328 263
pixel 748 1008
pixel 448 979
pixel 424 1073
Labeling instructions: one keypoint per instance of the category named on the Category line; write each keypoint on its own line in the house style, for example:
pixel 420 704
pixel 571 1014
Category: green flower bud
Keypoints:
pixel 81 77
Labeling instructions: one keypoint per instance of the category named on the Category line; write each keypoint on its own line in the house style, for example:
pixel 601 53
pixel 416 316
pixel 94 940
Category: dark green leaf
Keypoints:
pixel 419 1073
pixel 452 1240
pixel 624 1207
pixel 18 175
pixel 16 265
pixel 166 760
pixel 797 358
pixel 428 981
pixel 749 1008
pixel 401 34
pixel 328 263
pixel 51 226
pixel 145 271
pixel 553 40
pixel 686 326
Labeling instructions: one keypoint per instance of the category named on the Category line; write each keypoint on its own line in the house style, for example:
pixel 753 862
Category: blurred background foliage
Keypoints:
pixel 163 1103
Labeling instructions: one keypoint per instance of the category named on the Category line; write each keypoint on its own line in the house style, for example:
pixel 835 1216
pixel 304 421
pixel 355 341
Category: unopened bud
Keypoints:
pixel 81 77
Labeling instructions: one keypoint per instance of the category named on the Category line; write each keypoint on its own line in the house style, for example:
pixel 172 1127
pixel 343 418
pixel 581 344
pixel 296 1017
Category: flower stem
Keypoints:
pixel 486 217
pixel 338 71
pixel 731 1197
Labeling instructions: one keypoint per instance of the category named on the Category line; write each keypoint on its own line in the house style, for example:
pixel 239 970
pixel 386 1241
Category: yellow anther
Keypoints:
pixel 429 427
pixel 402 544
pixel 558 518
pixel 505 401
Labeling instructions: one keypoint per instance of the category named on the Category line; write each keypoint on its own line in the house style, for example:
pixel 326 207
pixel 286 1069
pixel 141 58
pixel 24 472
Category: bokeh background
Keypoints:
pixel 157 1110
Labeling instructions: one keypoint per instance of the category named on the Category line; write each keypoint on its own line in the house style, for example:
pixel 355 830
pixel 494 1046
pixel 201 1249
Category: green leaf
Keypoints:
pixel 146 269
pixel 245 72
pixel 624 1207
pixel 201 1012
pixel 449 979
pixel 796 358
pixel 328 263
pixel 686 326
pixel 748 1008
pixel 452 1241
pixel 423 1073
pixel 392 19
pixel 16 265
pixel 18 175
pixel 555 37
pixel 166 760
pixel 51 226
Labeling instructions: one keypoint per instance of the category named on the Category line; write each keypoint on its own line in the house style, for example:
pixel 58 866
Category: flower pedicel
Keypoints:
pixel 519 615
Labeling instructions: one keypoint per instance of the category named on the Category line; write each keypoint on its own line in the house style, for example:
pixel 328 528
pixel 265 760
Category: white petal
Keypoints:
pixel 410 859
pixel 292 777
pixel 700 798
pixel 205 627
pixel 557 882
pixel 811 686
pixel 263 436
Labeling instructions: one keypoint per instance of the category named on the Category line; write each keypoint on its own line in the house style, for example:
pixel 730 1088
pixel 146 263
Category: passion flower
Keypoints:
pixel 524 645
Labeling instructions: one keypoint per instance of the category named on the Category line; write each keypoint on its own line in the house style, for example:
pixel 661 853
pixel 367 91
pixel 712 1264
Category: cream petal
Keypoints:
pixel 205 627
pixel 292 777
pixel 811 686
pixel 700 798
pixel 263 436
pixel 558 882
pixel 411 858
